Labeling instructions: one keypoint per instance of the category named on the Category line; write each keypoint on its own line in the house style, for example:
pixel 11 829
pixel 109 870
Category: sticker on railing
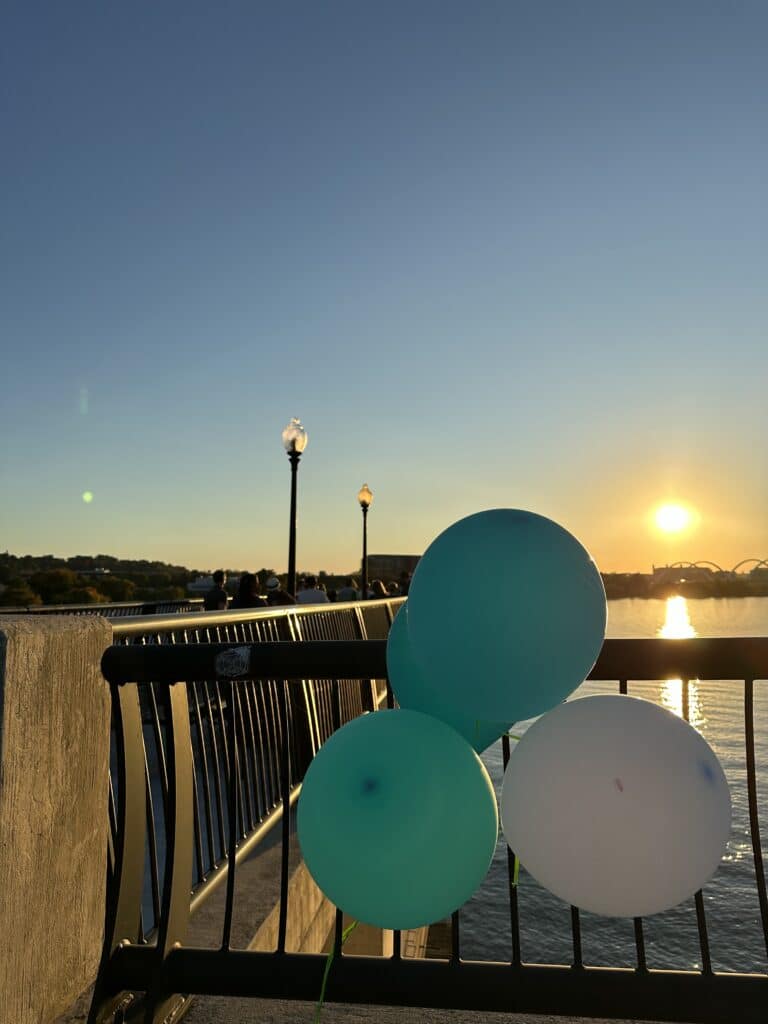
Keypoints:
pixel 235 661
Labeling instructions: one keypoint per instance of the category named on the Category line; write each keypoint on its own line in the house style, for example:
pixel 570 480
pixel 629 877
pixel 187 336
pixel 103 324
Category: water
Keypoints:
pixel 730 898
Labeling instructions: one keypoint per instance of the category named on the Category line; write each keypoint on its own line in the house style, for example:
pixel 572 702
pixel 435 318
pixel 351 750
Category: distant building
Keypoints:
pixel 389 567
pixel 201 585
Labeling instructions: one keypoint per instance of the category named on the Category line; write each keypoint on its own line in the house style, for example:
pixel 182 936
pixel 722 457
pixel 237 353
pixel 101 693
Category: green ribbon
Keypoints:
pixel 344 936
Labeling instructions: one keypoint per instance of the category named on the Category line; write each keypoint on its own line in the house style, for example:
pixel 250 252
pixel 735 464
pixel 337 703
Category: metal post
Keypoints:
pixel 364 585
pixel 294 456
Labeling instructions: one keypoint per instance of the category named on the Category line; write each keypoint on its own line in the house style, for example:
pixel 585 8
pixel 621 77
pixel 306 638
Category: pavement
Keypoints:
pixel 219 1010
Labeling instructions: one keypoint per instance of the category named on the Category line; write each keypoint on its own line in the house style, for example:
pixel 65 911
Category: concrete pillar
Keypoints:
pixel 54 770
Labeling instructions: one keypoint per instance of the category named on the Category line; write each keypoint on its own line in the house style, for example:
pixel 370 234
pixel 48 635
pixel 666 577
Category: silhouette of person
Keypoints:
pixel 311 593
pixel 248 593
pixel 276 595
pixel 217 599
pixel 349 591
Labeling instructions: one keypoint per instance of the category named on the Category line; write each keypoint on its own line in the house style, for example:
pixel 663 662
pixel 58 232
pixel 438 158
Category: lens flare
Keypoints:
pixel 87 497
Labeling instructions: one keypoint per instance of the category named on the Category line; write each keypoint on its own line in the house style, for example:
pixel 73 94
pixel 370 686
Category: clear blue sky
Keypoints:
pixel 494 254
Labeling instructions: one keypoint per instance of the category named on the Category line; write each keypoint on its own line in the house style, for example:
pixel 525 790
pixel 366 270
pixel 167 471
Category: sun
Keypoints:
pixel 672 518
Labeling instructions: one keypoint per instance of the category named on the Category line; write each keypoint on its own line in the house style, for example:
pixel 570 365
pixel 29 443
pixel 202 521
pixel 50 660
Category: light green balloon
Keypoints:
pixel 408 683
pixel 397 819
pixel 526 635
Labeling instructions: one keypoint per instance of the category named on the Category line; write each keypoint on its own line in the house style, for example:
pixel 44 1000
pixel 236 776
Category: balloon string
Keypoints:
pixel 516 872
pixel 344 936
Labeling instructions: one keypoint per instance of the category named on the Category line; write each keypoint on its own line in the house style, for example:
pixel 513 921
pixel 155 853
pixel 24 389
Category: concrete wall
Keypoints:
pixel 54 770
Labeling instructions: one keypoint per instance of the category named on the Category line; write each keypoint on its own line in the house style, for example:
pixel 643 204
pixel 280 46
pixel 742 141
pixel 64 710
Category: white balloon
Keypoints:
pixel 616 805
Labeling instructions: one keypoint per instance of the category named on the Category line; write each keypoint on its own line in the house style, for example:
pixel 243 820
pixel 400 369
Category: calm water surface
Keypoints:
pixel 730 898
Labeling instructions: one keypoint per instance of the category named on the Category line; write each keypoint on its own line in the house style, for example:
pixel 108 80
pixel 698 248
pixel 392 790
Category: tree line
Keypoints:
pixel 27 580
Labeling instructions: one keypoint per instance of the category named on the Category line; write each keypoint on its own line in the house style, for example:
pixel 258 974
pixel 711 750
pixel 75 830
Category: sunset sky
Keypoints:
pixel 492 254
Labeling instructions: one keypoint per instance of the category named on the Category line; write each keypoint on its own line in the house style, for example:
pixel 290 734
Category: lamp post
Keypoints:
pixel 365 497
pixel 294 442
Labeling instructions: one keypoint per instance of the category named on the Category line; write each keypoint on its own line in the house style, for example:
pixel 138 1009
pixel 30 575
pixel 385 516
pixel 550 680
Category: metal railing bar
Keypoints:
pixel 622 993
pixel 722 658
pixel 248 816
pixel 177 880
pixel 150 695
pixel 224 730
pixel 207 805
pixel 176 621
pixel 335 701
pixel 232 801
pixel 701 918
pixel 154 872
pixel 719 658
pixel 218 789
pixel 219 874
pixel 455 937
pixel 112 833
pixel 285 786
pixel 338 932
pixel 701 921
pixel 514 912
pixel 642 964
pixel 255 752
pixel 271 726
pixel 251 716
pixel 754 818
pixel 578 958
pixel 197 832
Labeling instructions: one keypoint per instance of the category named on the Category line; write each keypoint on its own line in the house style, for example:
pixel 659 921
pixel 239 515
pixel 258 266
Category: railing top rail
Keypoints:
pixel 98 609
pixel 135 624
pixel 701 658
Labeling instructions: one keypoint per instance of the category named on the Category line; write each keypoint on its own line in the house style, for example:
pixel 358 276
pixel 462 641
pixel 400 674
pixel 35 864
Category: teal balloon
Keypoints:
pixel 397 819
pixel 412 691
pixel 506 615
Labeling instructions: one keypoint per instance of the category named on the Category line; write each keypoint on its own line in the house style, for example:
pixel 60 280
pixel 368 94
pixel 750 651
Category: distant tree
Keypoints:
pixel 78 562
pixel 54 584
pixel 18 593
pixel 116 588
pixel 84 595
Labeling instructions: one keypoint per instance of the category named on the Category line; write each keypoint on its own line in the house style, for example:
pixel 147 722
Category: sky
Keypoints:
pixel 495 254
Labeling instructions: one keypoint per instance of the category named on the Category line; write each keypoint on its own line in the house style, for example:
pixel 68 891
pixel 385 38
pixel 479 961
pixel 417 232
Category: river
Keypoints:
pixel 730 898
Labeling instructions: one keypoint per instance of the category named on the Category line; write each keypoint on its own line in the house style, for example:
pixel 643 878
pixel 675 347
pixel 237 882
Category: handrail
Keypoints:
pixel 250 678
pixel 132 625
pixel 699 658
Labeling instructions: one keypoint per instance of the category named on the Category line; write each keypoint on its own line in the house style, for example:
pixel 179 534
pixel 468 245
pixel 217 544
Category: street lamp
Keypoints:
pixel 365 498
pixel 294 442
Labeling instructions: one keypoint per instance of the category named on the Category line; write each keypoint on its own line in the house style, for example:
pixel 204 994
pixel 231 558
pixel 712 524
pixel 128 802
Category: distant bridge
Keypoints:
pixel 760 563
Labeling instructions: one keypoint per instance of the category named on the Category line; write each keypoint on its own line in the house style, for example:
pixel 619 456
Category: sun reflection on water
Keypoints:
pixel 677 626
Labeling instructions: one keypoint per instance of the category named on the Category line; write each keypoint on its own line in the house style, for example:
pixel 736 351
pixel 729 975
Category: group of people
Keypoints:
pixel 248 593
pixel 310 591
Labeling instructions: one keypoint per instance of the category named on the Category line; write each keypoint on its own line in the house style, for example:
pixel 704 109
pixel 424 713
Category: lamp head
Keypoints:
pixel 295 437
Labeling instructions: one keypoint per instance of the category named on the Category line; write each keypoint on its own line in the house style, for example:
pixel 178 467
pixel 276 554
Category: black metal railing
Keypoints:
pixel 207 700
pixel 113 610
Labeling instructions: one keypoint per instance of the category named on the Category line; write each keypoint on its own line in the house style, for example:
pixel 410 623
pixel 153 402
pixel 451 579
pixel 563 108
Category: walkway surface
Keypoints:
pixel 256 895
pixel 216 1010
